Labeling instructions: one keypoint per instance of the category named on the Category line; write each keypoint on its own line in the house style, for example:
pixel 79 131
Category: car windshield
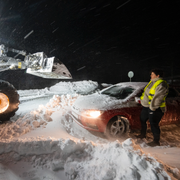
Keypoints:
pixel 118 91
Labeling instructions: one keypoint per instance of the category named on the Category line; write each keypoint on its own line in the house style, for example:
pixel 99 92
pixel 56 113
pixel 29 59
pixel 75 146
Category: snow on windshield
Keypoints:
pixel 113 97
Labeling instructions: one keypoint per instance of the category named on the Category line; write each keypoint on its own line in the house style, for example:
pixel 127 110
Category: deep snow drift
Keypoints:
pixel 42 142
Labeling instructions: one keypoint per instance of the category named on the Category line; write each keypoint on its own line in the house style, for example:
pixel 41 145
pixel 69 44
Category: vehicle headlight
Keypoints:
pixel 92 113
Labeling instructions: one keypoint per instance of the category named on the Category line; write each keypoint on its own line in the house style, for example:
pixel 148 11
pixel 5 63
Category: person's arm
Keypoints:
pixel 160 93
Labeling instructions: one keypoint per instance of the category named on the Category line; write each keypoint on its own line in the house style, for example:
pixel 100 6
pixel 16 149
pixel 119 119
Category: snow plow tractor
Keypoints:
pixel 37 64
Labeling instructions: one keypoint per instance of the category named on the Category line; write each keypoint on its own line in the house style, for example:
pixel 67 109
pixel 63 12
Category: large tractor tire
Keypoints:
pixel 9 101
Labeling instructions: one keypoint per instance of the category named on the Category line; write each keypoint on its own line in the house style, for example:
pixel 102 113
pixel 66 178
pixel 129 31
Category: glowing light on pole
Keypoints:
pixel 130 74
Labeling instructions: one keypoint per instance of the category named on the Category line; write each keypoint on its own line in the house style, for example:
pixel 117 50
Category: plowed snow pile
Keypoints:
pixel 78 155
pixel 37 118
pixel 85 160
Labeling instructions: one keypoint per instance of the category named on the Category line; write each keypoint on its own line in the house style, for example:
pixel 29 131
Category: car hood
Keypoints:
pixel 97 101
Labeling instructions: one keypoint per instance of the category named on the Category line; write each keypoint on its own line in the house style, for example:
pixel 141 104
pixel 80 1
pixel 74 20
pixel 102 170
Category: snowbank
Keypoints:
pixel 36 118
pixel 86 160
pixel 41 116
pixel 79 87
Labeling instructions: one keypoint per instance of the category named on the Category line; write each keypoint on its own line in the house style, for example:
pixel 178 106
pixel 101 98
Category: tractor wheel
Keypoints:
pixel 9 101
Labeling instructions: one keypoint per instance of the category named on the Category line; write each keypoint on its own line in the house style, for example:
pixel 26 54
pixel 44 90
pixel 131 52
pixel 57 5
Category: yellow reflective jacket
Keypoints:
pixel 153 90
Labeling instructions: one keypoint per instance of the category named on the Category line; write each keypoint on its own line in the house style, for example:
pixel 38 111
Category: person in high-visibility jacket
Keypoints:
pixel 153 100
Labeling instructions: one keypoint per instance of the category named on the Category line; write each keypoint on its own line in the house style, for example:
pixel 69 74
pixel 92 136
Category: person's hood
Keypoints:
pixel 156 79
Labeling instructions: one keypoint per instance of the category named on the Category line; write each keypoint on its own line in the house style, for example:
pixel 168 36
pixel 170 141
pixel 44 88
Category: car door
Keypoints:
pixel 172 115
pixel 131 109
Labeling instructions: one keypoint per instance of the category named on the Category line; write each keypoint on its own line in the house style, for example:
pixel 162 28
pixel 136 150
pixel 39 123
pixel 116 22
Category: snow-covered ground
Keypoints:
pixel 42 142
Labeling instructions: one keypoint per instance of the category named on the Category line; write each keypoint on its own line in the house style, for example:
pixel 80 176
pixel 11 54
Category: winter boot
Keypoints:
pixel 141 136
pixel 153 143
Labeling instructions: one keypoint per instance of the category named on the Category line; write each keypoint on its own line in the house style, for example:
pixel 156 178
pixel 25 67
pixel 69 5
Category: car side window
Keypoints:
pixel 125 92
pixel 118 91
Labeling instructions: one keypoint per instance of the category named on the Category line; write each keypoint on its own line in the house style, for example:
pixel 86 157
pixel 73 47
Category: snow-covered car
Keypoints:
pixel 117 108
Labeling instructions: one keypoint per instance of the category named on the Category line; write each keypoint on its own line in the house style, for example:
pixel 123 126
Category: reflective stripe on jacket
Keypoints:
pixel 153 90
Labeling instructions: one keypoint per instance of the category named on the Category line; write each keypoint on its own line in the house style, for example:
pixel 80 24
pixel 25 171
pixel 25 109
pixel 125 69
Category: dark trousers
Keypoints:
pixel 154 119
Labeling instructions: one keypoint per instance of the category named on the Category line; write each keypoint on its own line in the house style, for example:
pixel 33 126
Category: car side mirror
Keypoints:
pixel 137 100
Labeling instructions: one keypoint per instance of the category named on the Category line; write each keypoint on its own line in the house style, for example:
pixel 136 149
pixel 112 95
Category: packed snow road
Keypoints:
pixel 42 142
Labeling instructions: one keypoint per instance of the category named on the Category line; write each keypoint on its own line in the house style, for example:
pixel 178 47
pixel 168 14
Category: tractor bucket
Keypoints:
pixel 50 68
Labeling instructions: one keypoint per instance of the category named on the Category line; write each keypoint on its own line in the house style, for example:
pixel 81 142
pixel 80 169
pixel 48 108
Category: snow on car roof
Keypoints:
pixel 133 84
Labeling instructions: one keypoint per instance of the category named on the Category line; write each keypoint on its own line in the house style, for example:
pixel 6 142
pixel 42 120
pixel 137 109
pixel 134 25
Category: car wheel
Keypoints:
pixel 9 100
pixel 117 127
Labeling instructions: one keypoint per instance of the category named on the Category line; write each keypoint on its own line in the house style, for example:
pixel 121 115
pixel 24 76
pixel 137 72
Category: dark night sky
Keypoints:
pixel 97 40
